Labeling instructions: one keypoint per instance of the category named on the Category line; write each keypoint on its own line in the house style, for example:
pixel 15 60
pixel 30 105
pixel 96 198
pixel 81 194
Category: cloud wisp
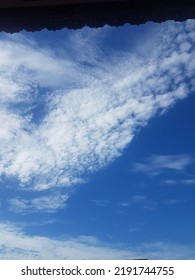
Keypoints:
pixel 15 244
pixel 157 164
pixel 48 203
pixel 190 181
pixel 64 118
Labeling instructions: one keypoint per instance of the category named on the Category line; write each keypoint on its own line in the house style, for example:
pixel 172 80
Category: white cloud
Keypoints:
pixel 124 204
pixel 175 201
pixel 47 203
pixel 15 244
pixel 133 229
pixel 178 182
pixel 101 203
pixel 156 164
pixel 63 118
pixel 139 199
pixel 144 201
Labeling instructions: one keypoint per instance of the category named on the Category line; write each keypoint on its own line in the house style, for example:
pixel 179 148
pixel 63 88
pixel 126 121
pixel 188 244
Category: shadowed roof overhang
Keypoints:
pixel 34 15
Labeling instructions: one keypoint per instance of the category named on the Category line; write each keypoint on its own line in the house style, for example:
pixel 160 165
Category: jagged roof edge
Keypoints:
pixel 92 15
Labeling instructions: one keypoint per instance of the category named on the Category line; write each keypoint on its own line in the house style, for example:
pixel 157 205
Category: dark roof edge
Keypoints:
pixel 93 15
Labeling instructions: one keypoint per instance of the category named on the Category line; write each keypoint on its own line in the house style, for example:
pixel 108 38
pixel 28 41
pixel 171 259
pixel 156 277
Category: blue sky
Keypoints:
pixel 97 143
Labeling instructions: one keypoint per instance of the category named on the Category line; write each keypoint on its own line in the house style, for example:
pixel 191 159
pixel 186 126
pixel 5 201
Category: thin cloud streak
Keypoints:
pixel 175 201
pixel 48 203
pixel 179 182
pixel 15 244
pixel 156 164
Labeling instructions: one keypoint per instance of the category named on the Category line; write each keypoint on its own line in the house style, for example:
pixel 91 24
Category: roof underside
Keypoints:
pixel 33 15
pixel 39 3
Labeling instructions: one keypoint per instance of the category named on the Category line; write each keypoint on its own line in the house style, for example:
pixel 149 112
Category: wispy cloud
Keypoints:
pixel 124 204
pixel 63 118
pixel 47 203
pixel 133 229
pixel 139 199
pixel 144 201
pixel 101 203
pixel 15 244
pixel 175 201
pixel 156 164
pixel 179 182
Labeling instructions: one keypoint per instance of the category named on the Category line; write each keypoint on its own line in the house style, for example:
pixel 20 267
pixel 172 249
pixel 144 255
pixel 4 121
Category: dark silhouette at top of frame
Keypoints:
pixel 34 15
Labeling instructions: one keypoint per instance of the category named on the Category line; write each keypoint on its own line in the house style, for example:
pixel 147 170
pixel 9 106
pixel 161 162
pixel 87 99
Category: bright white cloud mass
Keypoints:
pixel 89 107
pixel 68 109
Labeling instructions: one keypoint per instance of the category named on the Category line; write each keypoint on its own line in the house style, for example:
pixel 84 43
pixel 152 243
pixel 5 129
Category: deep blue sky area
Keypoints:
pixel 167 213
pixel 97 143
